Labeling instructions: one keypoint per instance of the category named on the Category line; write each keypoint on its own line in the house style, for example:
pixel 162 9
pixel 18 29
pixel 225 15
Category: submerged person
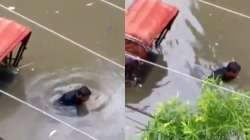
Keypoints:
pixel 75 97
pixel 228 73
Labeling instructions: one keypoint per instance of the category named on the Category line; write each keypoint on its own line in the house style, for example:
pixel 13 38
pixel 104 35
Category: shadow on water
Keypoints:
pixel 6 77
pixel 137 71
pixel 146 69
pixel 10 81
pixel 149 75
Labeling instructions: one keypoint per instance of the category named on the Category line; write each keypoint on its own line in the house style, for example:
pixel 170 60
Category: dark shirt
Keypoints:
pixel 70 99
pixel 220 74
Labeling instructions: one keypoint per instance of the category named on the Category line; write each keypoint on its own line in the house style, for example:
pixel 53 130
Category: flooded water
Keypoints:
pixel 24 123
pixel 202 37
pixel 178 52
pixel 199 39
pixel 239 6
pixel 56 66
pixel 89 22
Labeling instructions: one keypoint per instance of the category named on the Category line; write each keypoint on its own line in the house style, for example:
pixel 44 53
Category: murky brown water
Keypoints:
pixel 205 36
pixel 25 124
pixel 239 5
pixel 202 36
pixel 59 65
pixel 91 23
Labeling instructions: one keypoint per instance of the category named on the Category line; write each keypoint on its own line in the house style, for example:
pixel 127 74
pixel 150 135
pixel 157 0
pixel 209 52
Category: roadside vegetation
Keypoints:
pixel 218 115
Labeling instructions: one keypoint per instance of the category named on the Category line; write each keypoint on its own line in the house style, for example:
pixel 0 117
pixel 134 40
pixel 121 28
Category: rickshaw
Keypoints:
pixel 146 25
pixel 14 38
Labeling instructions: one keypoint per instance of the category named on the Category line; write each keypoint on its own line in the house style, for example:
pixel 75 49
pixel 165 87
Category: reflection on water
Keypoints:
pixel 7 76
pixel 136 72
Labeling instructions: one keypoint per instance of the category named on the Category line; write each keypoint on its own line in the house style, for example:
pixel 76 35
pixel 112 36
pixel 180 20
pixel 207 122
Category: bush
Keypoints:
pixel 219 115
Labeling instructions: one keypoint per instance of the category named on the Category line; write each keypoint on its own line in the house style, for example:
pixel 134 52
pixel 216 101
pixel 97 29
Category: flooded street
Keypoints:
pixel 202 37
pixel 79 42
pixel 87 22
pixel 55 65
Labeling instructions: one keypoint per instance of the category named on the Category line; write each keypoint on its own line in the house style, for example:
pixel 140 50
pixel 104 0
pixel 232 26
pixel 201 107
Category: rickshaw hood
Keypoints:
pixel 146 19
pixel 11 35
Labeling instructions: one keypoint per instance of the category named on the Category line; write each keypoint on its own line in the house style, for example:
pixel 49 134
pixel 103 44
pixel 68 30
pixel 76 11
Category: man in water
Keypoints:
pixel 75 97
pixel 228 73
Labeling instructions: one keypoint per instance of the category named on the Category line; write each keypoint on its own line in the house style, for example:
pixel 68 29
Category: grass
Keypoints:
pixel 218 115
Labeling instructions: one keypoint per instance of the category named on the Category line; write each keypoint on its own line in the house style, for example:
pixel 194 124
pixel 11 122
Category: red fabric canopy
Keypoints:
pixel 11 35
pixel 146 19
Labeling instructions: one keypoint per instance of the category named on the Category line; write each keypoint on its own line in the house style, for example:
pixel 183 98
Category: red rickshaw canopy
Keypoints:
pixel 146 19
pixel 11 35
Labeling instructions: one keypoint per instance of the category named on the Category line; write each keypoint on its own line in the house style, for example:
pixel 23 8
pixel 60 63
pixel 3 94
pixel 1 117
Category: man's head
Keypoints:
pixel 233 67
pixel 83 94
pixel 232 70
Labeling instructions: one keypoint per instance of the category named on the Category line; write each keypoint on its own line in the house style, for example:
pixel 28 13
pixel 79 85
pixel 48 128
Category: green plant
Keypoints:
pixel 218 115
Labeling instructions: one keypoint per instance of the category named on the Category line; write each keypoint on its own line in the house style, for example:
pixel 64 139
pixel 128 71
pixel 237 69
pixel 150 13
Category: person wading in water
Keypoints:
pixel 75 97
pixel 228 73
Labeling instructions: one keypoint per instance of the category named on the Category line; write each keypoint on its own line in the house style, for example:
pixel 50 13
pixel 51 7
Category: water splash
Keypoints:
pixel 103 107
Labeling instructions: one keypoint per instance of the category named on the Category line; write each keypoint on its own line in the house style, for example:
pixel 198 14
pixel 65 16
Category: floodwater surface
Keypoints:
pixel 56 65
pixel 89 22
pixel 201 38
